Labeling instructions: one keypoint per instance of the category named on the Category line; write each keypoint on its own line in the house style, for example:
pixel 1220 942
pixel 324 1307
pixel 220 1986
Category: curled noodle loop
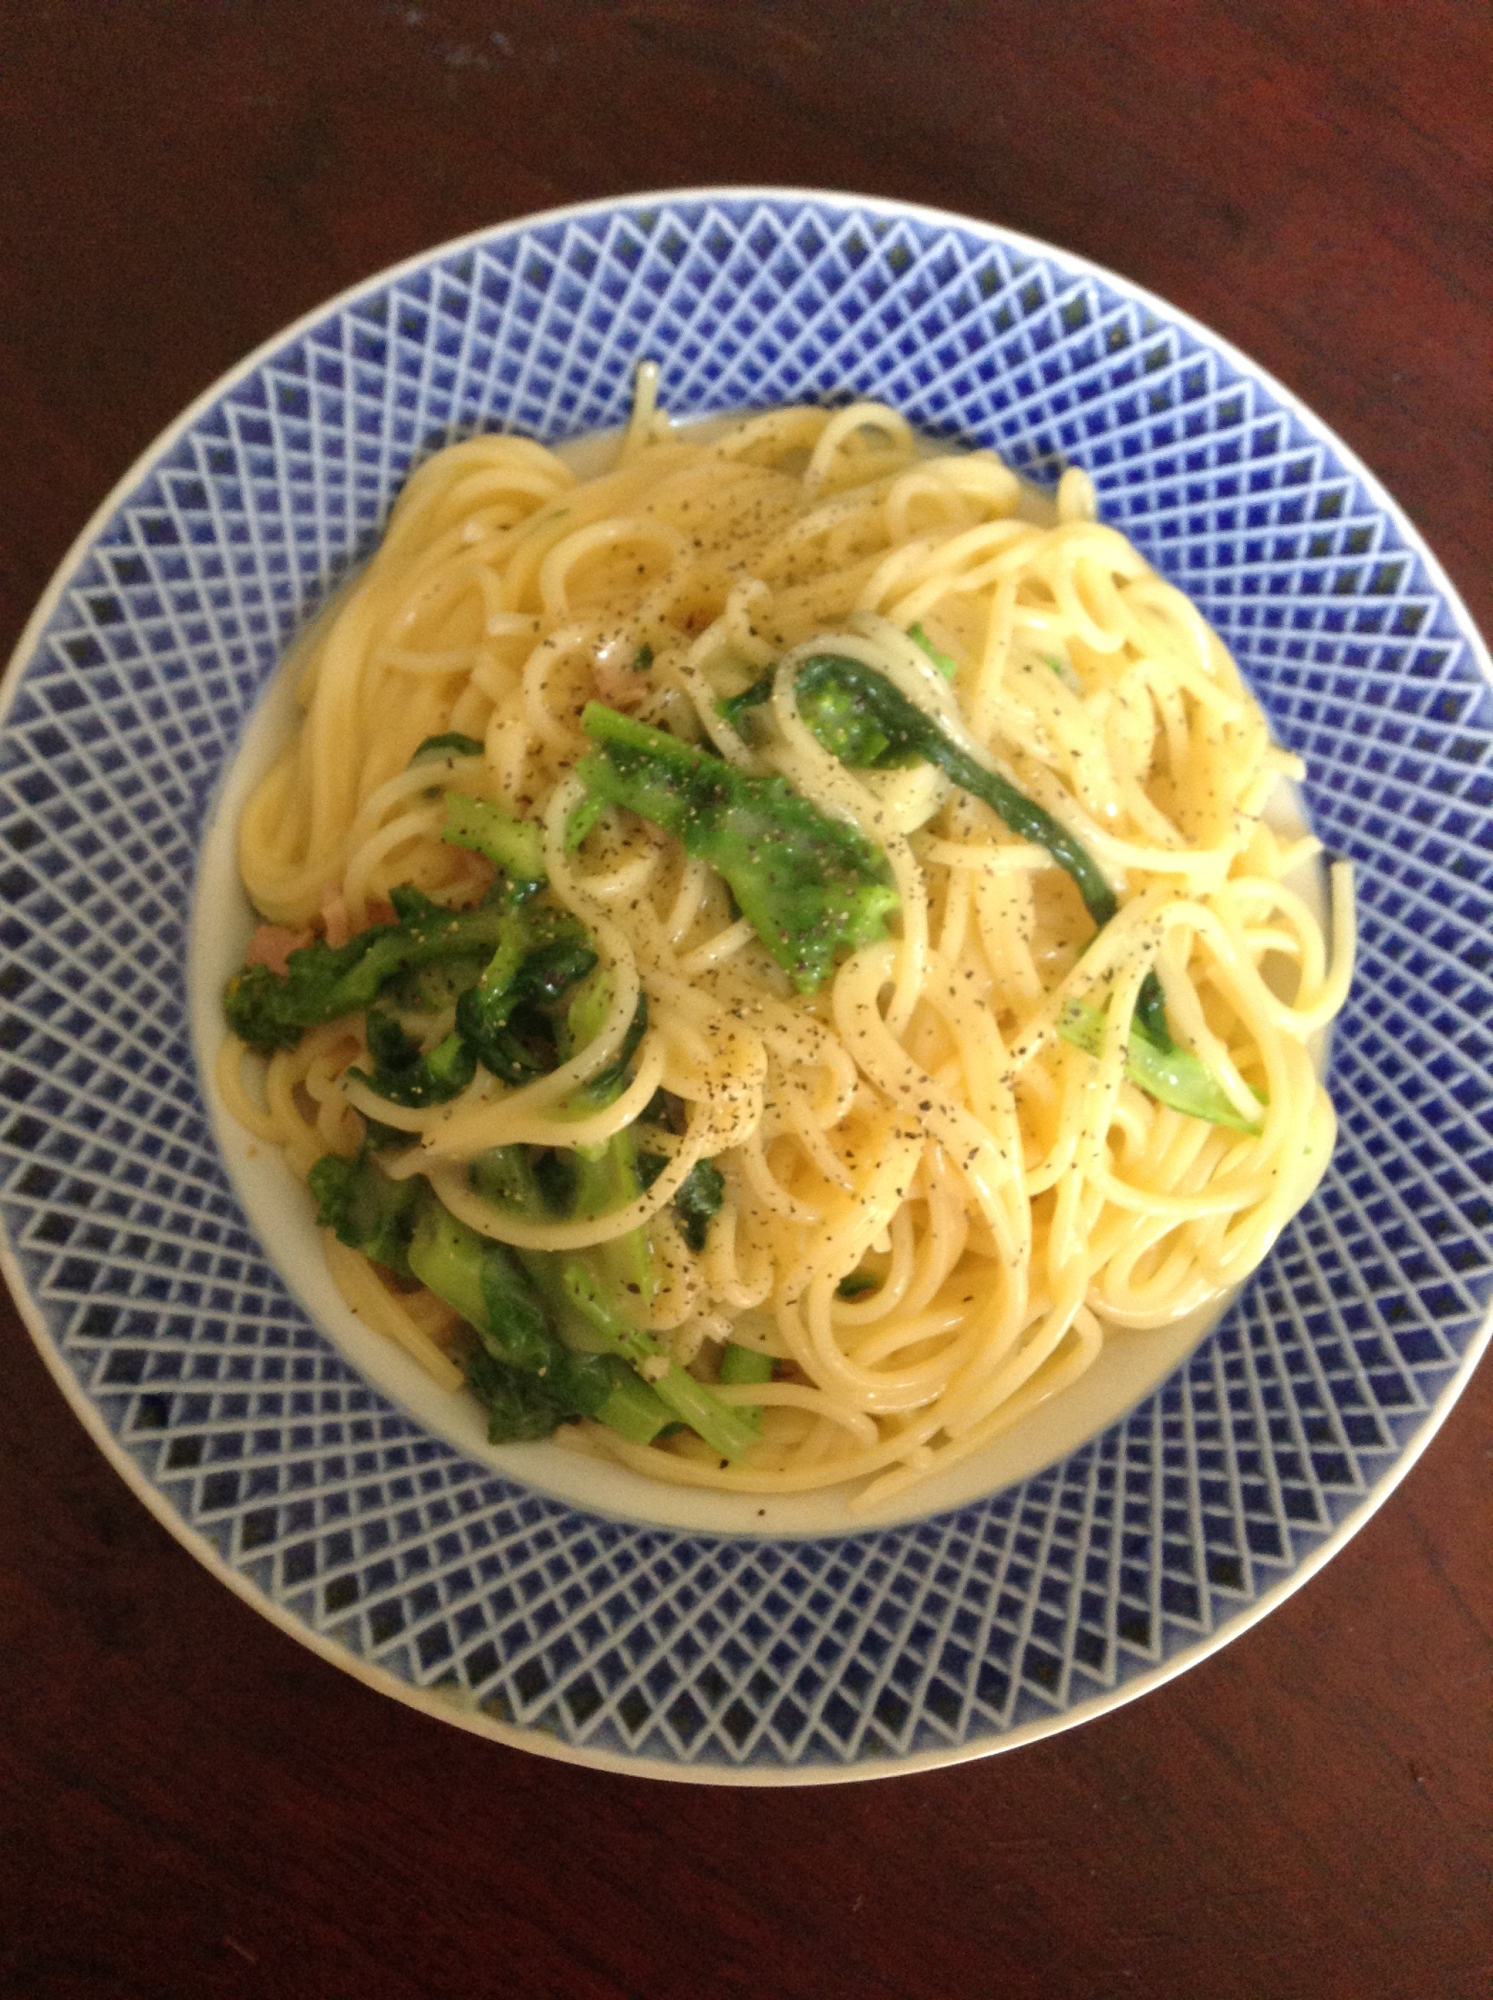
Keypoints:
pixel 935 1200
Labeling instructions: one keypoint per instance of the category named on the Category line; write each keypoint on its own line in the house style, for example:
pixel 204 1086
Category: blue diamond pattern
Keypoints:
pixel 617 1640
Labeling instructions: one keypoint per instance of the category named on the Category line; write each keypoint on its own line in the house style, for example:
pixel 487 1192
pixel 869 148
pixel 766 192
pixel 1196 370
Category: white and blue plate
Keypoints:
pixel 717 1650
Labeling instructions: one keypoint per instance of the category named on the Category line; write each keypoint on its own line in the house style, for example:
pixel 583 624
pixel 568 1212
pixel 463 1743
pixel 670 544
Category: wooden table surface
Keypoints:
pixel 190 1803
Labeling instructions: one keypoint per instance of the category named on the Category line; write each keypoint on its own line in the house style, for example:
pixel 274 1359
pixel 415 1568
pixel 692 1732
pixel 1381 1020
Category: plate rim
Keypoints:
pixel 468 1716
pixel 477 1722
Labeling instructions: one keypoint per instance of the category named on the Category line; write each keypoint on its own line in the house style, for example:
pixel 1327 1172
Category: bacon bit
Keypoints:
pixel 272 945
pixel 380 911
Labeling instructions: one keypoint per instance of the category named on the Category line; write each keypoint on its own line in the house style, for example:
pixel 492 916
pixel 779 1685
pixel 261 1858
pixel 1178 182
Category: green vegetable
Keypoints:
pixel 857 1285
pixel 378 1137
pixel 582 1182
pixel 514 845
pixel 527 1380
pixel 606 1176
pixel 1173 1076
pixel 322 982
pixel 600 1386
pixel 367 1211
pixel 811 886
pixel 429 959
pixel 452 744
pixel 521 1408
pixel 836 688
pixel 506 1017
pixel 642 659
pixel 575 1182
pixel 734 707
pixel 1150 1014
pixel 722 1428
pixel 402 1074
pixel 504 1175
pixel 535 1374
pixel 585 1016
pixel 946 666
pixel 843 724
pixel 607 1179
pixel 583 1021
pixel 556 1175
pixel 581 821
pixel 432 989
pixel 860 717
pixel 700 1196
pixel 746 1364
pixel 832 684
pixel 485 1285
pixel 558 958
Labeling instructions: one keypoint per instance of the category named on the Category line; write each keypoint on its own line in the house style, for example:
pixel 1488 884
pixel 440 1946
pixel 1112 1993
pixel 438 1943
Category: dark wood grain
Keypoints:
pixel 190 1804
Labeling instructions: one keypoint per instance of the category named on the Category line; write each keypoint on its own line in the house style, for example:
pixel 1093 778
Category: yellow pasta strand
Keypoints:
pixel 920 1123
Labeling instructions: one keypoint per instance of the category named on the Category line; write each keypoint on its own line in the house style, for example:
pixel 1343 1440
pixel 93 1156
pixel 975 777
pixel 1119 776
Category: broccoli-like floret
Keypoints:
pixel 532 956
pixel 533 1375
pixel 428 990
pixel 571 1283
pixel 406 1076
pixel 323 981
pixel 506 1017
pixel 537 1182
pixel 366 1210
pixel 812 887
pixel 859 716
pixel 521 1408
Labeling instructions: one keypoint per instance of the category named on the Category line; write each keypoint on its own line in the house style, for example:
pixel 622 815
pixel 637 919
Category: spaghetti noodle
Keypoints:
pixel 1054 1075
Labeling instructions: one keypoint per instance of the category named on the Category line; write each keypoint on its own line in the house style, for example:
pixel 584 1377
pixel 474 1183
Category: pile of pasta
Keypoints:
pixel 936 1205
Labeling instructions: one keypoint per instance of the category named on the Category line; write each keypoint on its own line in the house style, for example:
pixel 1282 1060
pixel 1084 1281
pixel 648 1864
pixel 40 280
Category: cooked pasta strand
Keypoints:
pixel 934 1197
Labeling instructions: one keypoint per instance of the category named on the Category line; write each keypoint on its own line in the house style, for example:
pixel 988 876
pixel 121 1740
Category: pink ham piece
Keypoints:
pixel 272 945
pixel 617 681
